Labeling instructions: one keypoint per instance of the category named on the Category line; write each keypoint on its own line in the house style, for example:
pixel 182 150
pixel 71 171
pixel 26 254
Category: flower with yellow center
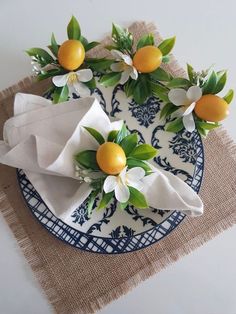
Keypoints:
pixel 75 80
pixel 124 65
pixel 120 183
pixel 186 100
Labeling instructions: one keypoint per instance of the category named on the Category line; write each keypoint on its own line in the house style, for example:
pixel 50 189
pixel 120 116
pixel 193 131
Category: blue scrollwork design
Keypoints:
pixel 145 113
pixel 184 145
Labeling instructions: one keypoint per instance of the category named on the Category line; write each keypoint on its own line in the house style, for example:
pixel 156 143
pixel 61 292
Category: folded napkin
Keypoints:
pixel 42 139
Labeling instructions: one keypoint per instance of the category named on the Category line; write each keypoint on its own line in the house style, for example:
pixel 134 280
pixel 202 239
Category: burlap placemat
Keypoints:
pixel 81 282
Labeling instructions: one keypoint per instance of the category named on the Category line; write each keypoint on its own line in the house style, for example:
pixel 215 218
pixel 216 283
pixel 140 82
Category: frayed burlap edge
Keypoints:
pixel 28 247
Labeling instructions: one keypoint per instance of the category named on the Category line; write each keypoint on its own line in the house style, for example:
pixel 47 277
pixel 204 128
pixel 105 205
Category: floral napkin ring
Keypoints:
pixel 66 64
pixel 116 169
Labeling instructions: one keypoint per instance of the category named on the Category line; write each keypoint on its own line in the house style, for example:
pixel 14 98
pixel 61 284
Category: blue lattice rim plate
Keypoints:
pixel 113 231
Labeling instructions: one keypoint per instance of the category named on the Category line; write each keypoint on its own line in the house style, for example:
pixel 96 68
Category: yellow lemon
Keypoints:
pixel 111 158
pixel 147 59
pixel 211 108
pixel 71 54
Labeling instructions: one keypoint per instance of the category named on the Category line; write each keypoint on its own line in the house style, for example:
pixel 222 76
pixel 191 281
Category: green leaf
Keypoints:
pixel 175 126
pixel 123 132
pixel 207 125
pixel 46 74
pixel 190 71
pixel 221 81
pixel 122 206
pixel 144 152
pixel 129 87
pixel 91 45
pixel 210 84
pixel 110 79
pixel 160 91
pixel 99 65
pixel 166 59
pixel 161 75
pixel 91 84
pixel 179 82
pixel 73 29
pixel 129 143
pixel 41 55
pixel 98 136
pixel 167 45
pixel 202 131
pixel 142 89
pixel 91 200
pixel 87 159
pixel 84 41
pixel 137 199
pixel 167 110
pixel 229 96
pixel 54 45
pixel 105 199
pixel 132 162
pixel 60 94
pixel 112 135
pixel 146 40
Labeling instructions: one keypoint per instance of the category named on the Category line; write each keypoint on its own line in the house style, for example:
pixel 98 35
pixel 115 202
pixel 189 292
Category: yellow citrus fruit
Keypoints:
pixel 147 59
pixel 111 158
pixel 211 108
pixel 71 54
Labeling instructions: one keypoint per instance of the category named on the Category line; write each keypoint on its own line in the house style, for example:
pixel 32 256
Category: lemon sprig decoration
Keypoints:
pixel 193 103
pixel 65 61
pixel 115 157
pixel 137 68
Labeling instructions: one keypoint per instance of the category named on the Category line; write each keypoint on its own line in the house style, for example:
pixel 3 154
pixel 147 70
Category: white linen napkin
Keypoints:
pixel 42 139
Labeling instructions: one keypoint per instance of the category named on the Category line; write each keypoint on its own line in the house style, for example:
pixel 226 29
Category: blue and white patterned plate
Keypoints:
pixel 115 231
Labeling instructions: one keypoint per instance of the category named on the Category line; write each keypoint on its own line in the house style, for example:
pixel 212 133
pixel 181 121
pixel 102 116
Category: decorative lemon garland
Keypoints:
pixel 116 169
pixel 188 103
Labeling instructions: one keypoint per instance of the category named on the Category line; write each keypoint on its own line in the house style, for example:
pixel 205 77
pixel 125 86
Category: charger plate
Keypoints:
pixel 112 231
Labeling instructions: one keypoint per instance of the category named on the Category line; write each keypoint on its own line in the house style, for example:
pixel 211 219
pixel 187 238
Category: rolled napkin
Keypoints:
pixel 42 139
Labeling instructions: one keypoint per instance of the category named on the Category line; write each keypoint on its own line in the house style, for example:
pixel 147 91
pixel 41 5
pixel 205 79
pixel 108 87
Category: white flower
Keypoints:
pixel 120 183
pixel 124 65
pixel 186 99
pixel 75 80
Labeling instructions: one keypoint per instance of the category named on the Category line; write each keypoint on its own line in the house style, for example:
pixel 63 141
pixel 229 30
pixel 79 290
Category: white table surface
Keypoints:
pixel 204 281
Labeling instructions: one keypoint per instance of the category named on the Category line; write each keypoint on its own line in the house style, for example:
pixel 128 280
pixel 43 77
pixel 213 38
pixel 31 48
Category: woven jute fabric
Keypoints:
pixel 82 282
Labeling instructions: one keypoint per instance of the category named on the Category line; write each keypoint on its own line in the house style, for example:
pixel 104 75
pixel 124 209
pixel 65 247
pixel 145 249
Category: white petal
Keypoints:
pixel 81 89
pixel 134 74
pixel 84 75
pixel 137 185
pixel 122 193
pixel 110 184
pixel 189 109
pixel 178 97
pixel 189 123
pixel 121 56
pixel 122 175
pixel 194 93
pixel 135 174
pixel 117 54
pixel 117 67
pixel 124 76
pixel 127 59
pixel 60 80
